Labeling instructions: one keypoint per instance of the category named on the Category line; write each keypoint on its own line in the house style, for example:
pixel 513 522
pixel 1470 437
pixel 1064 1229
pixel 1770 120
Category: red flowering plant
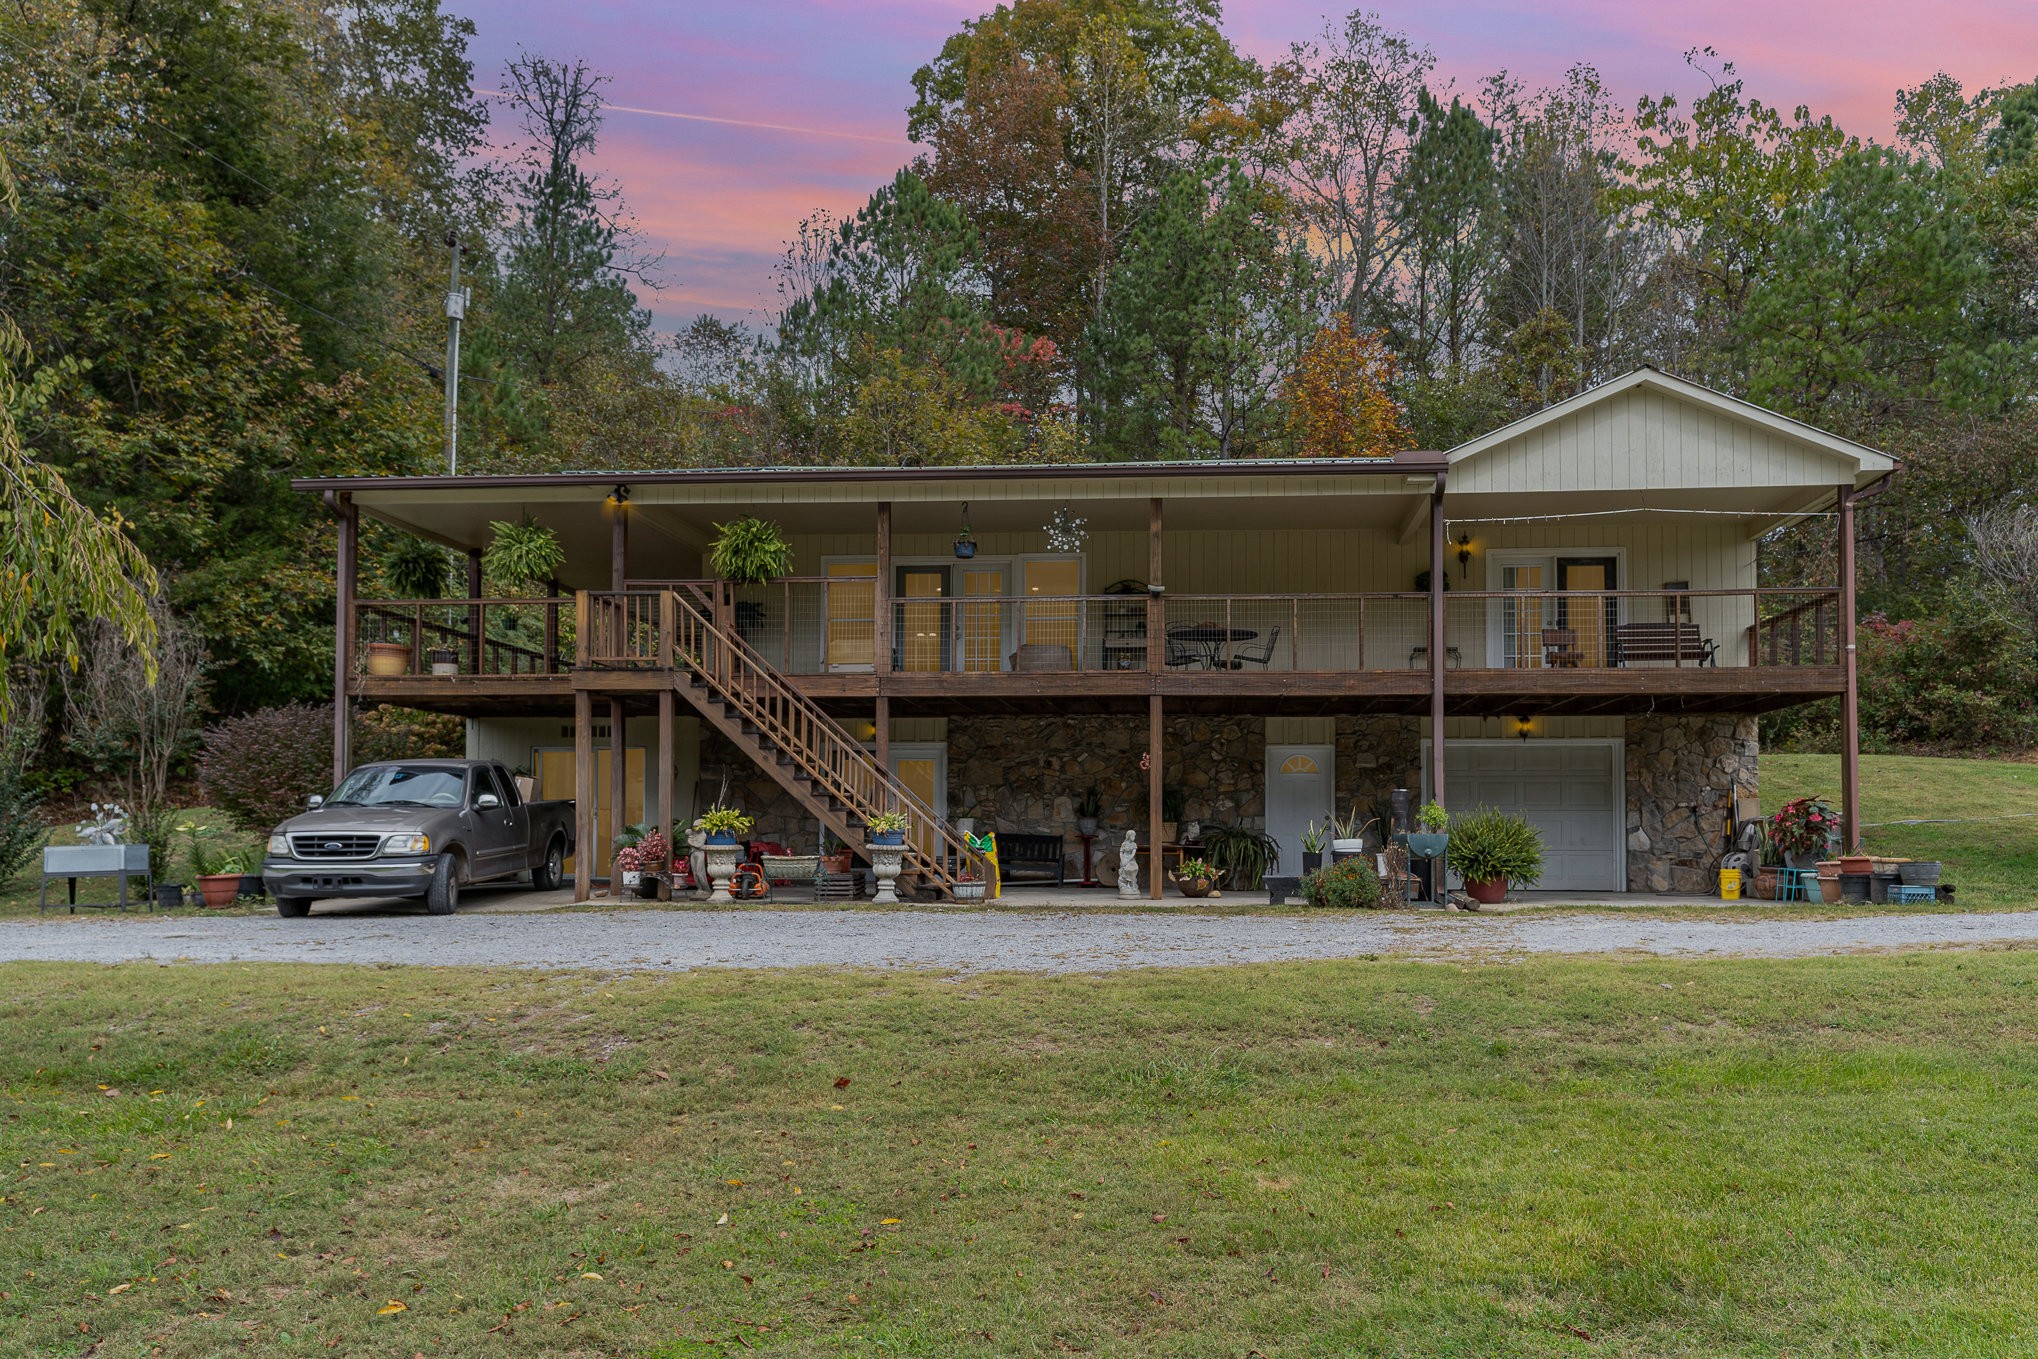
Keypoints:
pixel 1803 825
pixel 652 853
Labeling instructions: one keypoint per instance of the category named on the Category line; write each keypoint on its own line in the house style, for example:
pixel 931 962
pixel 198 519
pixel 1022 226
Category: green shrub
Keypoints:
pixel 1347 884
pixel 261 766
pixel 21 829
pixel 1487 844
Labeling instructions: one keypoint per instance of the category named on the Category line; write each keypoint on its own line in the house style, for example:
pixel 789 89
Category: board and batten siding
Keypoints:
pixel 1644 439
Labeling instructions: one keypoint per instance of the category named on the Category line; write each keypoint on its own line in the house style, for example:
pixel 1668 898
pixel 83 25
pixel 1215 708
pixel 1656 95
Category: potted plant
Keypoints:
pixel 836 857
pixel 1313 839
pixel 629 867
pixel 888 828
pixel 213 867
pixel 722 826
pixel 388 658
pixel 968 886
pixel 1348 833
pixel 1801 830
pixel 750 551
pixel 1430 836
pixel 1196 878
pixel 1348 884
pixel 445 661
pixel 250 868
pixel 1089 807
pixel 524 555
pixel 965 541
pixel 1242 855
pixel 653 853
pixel 1491 849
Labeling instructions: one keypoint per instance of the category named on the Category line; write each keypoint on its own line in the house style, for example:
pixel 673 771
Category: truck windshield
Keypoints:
pixel 400 785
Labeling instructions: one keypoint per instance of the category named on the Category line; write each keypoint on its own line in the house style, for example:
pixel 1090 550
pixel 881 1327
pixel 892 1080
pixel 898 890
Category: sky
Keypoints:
pixel 732 120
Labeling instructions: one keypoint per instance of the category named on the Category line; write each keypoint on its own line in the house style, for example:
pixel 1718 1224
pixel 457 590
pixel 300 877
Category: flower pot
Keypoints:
pixel 1856 863
pixel 965 548
pixel 1853 886
pixel 888 837
pixel 1829 890
pixel 838 863
pixel 969 891
pixel 445 667
pixel 1428 844
pixel 1086 825
pixel 1919 873
pixel 1801 858
pixel 631 878
pixel 721 839
pixel 1311 860
pixel 1765 882
pixel 388 658
pixel 1195 887
pixel 169 896
pixel 251 885
pixel 219 889
pixel 1356 845
pixel 1487 891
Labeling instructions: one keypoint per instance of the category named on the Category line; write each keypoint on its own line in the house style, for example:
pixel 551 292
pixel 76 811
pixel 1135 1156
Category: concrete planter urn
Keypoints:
pixel 721 869
pixel 885 863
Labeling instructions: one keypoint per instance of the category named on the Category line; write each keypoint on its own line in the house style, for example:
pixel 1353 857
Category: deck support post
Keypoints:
pixel 473 611
pixel 1156 860
pixel 619 547
pixel 1437 642
pixel 346 565
pixel 618 749
pixel 881 731
pixel 1850 694
pixel 881 596
pixel 1156 610
pixel 583 794
pixel 667 813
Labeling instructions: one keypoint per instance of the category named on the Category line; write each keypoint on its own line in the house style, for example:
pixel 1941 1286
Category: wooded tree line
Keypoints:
pixel 1122 238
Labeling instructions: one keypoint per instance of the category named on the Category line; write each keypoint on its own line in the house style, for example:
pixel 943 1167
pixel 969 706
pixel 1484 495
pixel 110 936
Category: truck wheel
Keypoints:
pixel 292 908
pixel 443 897
pixel 547 876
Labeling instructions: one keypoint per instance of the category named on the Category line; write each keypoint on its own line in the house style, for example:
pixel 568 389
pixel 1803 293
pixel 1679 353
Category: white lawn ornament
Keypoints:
pixel 1128 865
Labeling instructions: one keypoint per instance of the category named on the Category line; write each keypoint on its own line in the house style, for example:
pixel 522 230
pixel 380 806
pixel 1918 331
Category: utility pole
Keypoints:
pixel 456 310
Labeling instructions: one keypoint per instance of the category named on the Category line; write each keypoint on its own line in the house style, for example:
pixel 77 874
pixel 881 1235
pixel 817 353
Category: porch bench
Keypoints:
pixel 1674 642
pixel 1037 858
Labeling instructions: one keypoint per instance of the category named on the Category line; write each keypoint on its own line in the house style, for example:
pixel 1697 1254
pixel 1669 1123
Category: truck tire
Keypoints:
pixel 551 871
pixel 443 896
pixel 293 908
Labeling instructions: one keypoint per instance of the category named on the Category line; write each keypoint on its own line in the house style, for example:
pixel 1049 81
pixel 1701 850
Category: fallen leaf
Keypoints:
pixel 722 1221
pixel 842 1082
pixel 391 1308
pixel 728 1264
pixel 118 1289
pixel 737 1183
pixel 159 1156
pixel 590 1275
pixel 1160 1217
pixel 662 1075
pixel 888 1222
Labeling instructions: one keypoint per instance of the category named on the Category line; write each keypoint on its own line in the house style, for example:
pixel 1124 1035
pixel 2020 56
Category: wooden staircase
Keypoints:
pixel 789 736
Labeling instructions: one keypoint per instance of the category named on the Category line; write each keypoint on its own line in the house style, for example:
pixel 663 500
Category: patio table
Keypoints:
pixel 1208 640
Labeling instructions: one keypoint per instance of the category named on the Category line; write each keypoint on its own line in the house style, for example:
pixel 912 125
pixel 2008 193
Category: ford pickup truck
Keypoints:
pixel 416 828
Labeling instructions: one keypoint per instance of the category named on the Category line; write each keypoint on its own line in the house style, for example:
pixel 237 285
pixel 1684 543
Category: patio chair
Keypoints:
pixel 1257 655
pixel 1181 655
pixel 1560 649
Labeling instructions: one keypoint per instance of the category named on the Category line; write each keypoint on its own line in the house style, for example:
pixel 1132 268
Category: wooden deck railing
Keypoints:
pixel 497 638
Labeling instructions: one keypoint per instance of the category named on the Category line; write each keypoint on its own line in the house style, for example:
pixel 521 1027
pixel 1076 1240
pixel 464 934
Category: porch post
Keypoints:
pixel 619 547
pixel 1437 641
pixel 583 794
pixel 617 750
pixel 881 728
pixel 1156 612
pixel 881 595
pixel 1156 861
pixel 473 611
pixel 1850 697
pixel 666 811
pixel 346 564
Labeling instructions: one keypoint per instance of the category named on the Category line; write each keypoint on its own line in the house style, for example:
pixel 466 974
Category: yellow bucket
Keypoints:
pixel 1730 884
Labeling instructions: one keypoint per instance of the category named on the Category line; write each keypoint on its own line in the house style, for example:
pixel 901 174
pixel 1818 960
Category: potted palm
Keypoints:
pixel 1431 835
pixel 1491 849
pixel 1088 808
pixel 213 867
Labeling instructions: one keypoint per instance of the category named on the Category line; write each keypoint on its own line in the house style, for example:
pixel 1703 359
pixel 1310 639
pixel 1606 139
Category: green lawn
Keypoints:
pixel 1826 1157
pixel 1990 850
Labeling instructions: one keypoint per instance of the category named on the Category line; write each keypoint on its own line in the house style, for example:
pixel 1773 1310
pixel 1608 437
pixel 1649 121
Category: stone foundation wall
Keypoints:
pixel 1682 772
pixel 1376 755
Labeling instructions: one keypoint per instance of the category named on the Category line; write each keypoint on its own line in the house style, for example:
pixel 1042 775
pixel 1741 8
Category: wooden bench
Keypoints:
pixel 1673 642
pixel 1037 858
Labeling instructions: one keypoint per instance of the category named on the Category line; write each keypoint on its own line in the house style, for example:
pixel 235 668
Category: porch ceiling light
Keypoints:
pixel 1464 554
pixel 620 495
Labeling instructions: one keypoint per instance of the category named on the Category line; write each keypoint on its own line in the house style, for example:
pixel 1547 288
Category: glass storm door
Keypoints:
pixel 1052 620
pixel 1521 620
pixel 922 643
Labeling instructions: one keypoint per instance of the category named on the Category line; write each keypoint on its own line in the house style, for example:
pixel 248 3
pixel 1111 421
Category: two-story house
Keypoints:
pixel 1561 617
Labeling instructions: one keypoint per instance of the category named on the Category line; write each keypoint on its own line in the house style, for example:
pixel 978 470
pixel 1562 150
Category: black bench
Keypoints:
pixel 1037 858
pixel 1677 643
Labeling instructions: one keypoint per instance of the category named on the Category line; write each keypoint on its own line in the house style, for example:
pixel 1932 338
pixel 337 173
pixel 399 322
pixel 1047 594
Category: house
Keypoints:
pixel 1560 617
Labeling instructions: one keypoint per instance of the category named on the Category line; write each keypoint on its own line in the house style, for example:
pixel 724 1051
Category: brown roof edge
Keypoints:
pixel 1412 463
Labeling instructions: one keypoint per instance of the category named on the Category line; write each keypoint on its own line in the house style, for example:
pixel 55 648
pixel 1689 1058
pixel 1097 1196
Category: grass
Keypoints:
pixel 1825 1157
pixel 1990 842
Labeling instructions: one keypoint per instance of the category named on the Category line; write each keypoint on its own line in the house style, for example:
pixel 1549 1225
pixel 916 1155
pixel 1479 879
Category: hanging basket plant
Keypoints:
pixel 750 551
pixel 525 554
pixel 415 569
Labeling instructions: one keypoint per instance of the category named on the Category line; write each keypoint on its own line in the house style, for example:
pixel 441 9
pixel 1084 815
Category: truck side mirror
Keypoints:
pixel 315 801
pixel 486 801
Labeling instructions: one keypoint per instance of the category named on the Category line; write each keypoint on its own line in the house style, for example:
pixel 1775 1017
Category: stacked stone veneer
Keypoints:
pixel 1682 772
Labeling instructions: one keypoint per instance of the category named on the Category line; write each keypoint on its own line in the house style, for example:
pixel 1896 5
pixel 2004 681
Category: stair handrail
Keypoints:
pixel 820 765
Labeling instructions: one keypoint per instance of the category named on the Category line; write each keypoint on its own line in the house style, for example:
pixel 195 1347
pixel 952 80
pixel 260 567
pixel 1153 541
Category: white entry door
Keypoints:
pixel 1299 790
pixel 1569 790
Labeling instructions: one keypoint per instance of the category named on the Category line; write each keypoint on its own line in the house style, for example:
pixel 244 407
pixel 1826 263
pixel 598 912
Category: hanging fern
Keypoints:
pixel 751 550
pixel 415 569
pixel 525 553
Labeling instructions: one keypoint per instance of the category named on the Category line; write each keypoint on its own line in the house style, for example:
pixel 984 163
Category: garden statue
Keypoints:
pixel 987 845
pixel 1128 865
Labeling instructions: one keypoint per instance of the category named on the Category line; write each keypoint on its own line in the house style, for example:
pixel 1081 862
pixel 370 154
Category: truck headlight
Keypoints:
pixel 279 845
pixel 407 844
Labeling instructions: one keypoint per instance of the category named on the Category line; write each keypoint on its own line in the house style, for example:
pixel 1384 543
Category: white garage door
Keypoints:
pixel 1567 791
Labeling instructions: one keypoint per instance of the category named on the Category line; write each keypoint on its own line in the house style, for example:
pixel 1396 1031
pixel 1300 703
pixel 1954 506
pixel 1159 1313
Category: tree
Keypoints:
pixel 2005 541
pixel 1449 214
pixel 1339 397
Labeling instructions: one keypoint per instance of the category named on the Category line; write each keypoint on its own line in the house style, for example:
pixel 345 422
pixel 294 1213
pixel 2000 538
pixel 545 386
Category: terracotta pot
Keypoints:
pixel 1487 891
pixel 838 863
pixel 1856 863
pixel 388 658
pixel 1829 890
pixel 1765 883
pixel 219 889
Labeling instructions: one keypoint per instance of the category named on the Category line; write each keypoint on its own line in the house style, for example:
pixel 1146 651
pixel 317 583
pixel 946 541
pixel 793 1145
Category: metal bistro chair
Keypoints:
pixel 1795 884
pixel 1256 655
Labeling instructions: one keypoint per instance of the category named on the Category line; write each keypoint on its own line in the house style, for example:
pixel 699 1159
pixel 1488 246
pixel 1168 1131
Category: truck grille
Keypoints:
pixel 342 846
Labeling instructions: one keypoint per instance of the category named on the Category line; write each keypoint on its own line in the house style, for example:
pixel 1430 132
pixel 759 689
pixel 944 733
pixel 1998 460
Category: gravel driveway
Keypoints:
pixel 951 942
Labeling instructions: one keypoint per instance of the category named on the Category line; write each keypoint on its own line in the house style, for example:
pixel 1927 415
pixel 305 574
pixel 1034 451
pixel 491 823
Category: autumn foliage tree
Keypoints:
pixel 1339 401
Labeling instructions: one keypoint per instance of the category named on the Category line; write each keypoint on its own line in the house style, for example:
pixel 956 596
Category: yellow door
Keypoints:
pixel 921 775
pixel 922 617
pixel 1586 617
pixel 1522 630
pixel 555 780
pixel 983 633
pixel 852 605
pixel 1052 621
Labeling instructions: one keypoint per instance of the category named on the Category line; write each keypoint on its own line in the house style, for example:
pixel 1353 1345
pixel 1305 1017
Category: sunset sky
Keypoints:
pixel 754 113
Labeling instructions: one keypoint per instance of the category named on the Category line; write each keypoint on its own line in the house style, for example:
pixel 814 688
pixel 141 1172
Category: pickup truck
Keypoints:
pixel 416 828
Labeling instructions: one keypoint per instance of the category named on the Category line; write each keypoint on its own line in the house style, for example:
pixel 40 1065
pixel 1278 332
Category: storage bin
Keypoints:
pixel 1854 886
pixel 1919 872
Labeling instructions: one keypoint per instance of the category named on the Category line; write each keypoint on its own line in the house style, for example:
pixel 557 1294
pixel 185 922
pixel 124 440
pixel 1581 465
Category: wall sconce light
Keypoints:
pixel 620 495
pixel 1464 554
pixel 1523 726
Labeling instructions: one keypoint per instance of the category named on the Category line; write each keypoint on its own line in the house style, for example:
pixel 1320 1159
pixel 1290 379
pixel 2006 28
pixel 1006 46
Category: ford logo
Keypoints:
pixel 333 845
